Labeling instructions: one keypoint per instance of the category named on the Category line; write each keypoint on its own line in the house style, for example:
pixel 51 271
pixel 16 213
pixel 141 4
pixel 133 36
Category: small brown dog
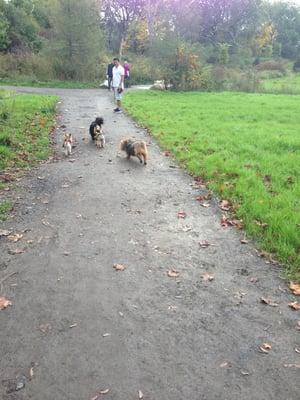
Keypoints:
pixel 67 144
pixel 135 148
pixel 99 137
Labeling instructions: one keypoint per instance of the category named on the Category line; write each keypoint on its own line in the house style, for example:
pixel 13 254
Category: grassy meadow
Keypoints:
pixel 49 84
pixel 246 147
pixel 25 124
pixel 289 84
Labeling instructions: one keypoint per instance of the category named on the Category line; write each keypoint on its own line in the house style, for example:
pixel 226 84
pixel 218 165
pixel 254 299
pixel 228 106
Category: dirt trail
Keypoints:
pixel 77 326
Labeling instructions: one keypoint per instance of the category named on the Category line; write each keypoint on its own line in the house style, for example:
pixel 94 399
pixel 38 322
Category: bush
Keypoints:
pixel 234 79
pixel 271 66
pixel 296 66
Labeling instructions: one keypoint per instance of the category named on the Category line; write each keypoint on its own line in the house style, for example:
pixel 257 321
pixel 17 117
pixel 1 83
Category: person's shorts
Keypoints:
pixel 118 96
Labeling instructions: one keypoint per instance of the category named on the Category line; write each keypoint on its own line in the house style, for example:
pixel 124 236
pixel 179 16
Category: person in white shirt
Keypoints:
pixel 118 83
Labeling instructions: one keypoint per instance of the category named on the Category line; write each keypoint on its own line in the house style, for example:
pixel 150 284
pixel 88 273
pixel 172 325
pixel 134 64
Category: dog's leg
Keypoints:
pixel 145 158
pixel 140 158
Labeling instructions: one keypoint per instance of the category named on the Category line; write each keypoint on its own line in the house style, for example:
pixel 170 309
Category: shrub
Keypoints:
pixel 271 66
pixel 296 66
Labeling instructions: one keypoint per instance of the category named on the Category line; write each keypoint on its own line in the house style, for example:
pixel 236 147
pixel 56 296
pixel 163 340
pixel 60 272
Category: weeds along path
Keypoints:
pixel 182 321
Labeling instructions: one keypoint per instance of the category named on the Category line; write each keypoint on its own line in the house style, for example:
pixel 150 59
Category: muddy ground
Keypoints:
pixel 77 326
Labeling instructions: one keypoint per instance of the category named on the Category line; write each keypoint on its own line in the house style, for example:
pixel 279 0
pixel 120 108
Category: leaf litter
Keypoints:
pixel 295 288
pixel 172 273
pixel 119 267
pixel 269 302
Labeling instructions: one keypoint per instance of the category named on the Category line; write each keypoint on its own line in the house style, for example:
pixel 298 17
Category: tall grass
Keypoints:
pixel 246 146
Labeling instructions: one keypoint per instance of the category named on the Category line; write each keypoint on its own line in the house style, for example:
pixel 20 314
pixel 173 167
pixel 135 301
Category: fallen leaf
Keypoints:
pixel 106 334
pixel 297 350
pixel 244 241
pixel 167 153
pixel 15 238
pixel 140 394
pixel 295 288
pixel 294 305
pixel 265 347
pixel 269 302
pixel 4 303
pixel 291 365
pixel 253 279
pixel 105 391
pixel 65 185
pixel 204 244
pixel 4 232
pixel 73 325
pixel 41 178
pixel 224 364
pixel 31 374
pixel 181 214
pixel 172 273
pixel 298 326
pixel 225 221
pixel 238 223
pixel 119 267
pixel 225 205
pixel 245 373
pixel 204 197
pixel 45 328
pixel 16 251
pixel 206 277
pixel 205 205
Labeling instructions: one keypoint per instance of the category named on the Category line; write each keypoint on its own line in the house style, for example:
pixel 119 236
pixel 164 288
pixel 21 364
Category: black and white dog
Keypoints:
pixel 96 126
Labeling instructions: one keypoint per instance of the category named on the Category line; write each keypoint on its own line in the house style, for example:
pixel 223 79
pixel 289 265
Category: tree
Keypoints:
pixel 77 41
pixel 117 17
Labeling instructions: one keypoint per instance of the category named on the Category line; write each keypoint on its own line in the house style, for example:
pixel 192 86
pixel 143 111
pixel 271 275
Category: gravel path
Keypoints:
pixel 77 326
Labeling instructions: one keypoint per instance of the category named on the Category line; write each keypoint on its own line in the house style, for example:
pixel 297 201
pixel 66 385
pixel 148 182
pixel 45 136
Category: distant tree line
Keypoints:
pixel 72 38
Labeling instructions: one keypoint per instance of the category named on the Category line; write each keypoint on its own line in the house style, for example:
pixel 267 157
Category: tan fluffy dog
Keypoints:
pixel 135 148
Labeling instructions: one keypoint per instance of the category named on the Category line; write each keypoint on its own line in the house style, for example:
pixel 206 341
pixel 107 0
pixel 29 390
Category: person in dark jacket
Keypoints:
pixel 109 74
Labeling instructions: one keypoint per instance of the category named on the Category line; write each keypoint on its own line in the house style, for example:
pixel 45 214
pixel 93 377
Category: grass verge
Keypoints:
pixel 246 147
pixel 25 124
pixel 49 84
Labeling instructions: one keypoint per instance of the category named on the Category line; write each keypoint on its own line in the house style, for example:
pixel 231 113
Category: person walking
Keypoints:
pixel 118 83
pixel 127 73
pixel 109 74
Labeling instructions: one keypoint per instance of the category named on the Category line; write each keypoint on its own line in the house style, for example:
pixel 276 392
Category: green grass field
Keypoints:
pixel 246 146
pixel 285 85
pixel 49 84
pixel 25 124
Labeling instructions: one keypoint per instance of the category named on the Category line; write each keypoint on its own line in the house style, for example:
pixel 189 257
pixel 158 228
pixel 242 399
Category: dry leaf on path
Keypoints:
pixel 4 303
pixel 269 302
pixel 172 273
pixel 181 214
pixel 291 365
pixel 244 241
pixel 225 205
pixel 265 347
pixel 4 232
pixel 295 288
pixel 225 221
pixel 119 267
pixel 105 391
pixel 294 305
pixel 45 328
pixel 204 244
pixel 206 277
pixel 224 364
pixel 141 395
pixel 15 238
pixel 297 350
pixel 205 205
